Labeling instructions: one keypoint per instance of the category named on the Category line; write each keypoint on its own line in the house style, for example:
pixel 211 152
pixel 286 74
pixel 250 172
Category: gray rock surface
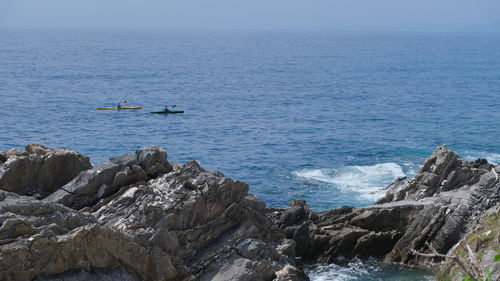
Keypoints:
pixel 442 171
pixel 39 170
pixel 105 179
pixel 139 217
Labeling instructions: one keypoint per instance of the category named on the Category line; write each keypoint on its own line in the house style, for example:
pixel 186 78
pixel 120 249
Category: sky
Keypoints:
pixel 336 15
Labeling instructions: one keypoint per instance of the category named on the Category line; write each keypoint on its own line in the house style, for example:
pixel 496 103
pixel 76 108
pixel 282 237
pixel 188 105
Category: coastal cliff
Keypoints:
pixel 141 217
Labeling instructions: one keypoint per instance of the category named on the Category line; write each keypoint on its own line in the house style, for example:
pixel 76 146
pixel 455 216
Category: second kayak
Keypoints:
pixel 167 112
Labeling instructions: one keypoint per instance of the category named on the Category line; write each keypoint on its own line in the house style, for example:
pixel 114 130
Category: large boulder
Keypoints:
pixel 107 178
pixel 38 171
pixel 153 160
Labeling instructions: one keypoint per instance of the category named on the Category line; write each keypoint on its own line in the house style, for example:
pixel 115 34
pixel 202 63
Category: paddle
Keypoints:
pixel 119 104
pixel 170 108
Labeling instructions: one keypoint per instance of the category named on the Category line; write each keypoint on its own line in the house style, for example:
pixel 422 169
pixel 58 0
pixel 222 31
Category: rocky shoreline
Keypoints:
pixel 142 217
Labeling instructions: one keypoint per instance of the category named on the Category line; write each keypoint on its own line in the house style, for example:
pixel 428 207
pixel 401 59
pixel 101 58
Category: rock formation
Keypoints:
pixel 39 170
pixel 442 171
pixel 438 207
pixel 139 217
pixel 107 178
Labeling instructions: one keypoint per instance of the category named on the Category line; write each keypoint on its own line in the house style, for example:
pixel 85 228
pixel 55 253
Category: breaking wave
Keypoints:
pixel 365 180
pixel 356 270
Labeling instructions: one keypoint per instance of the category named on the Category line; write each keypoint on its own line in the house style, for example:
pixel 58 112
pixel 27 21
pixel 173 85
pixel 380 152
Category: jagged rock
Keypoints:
pixel 287 247
pixel 297 212
pixel 349 232
pixel 153 160
pixel 428 222
pixel 6 154
pixel 140 217
pixel 376 244
pixel 107 178
pixel 151 221
pixel 209 221
pixel 249 262
pixel 22 216
pixel 88 247
pixel 442 171
pixel 39 170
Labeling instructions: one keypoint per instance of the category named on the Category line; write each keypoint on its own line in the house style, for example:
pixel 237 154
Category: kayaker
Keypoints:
pixel 166 108
pixel 120 104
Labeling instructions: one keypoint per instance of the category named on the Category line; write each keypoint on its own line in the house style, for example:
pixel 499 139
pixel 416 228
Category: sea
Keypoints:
pixel 329 117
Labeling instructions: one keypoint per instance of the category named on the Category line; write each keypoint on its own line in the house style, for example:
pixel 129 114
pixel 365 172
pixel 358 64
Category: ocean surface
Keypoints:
pixel 327 117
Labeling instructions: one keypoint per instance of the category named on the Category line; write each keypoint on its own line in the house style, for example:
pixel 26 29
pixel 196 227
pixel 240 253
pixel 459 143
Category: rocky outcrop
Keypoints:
pixel 452 214
pixel 347 232
pixel 107 178
pixel 438 207
pixel 39 170
pixel 140 217
pixel 442 171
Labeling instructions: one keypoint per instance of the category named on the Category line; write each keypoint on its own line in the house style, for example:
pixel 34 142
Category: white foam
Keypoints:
pixel 333 272
pixel 411 169
pixel 366 180
pixel 358 270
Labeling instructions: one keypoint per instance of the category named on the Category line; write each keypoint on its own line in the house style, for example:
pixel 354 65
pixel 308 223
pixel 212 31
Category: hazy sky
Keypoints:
pixel 398 15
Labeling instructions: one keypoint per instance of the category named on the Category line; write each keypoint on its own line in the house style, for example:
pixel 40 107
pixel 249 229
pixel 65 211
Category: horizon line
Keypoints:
pixel 286 30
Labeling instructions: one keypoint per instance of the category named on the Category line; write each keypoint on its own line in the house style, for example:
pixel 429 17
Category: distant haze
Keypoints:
pixel 338 15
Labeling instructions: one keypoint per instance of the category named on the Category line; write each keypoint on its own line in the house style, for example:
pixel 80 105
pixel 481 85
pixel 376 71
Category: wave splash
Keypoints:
pixel 357 270
pixel 366 180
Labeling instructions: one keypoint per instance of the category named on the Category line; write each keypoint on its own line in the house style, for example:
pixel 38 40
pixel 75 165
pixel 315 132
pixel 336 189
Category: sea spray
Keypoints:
pixel 357 270
pixel 366 181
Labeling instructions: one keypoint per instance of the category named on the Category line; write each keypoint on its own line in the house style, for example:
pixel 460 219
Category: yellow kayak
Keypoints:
pixel 123 107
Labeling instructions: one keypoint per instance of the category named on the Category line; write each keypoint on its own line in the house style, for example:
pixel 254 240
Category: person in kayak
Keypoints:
pixel 120 105
pixel 166 108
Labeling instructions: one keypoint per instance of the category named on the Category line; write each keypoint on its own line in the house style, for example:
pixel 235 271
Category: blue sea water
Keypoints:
pixel 328 117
